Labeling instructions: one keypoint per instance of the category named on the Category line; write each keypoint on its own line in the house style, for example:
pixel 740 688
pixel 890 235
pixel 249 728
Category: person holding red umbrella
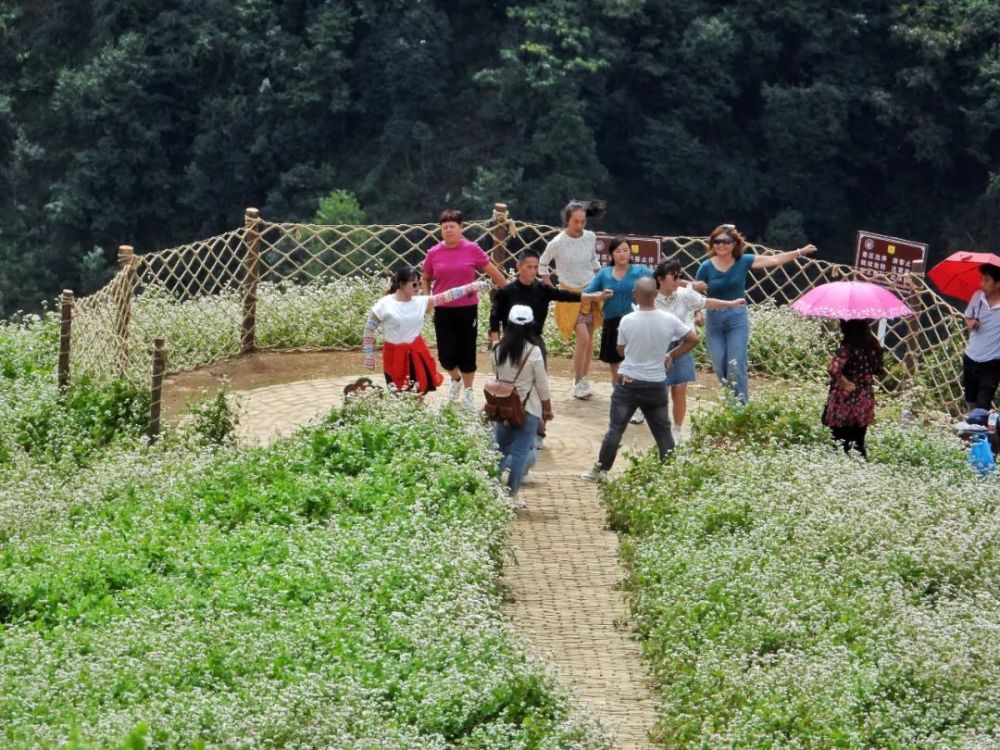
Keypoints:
pixel 981 359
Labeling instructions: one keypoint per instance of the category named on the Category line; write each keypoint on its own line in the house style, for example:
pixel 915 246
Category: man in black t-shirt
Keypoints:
pixel 526 289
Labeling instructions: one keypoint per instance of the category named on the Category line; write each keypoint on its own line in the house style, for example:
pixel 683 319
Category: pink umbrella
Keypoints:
pixel 850 300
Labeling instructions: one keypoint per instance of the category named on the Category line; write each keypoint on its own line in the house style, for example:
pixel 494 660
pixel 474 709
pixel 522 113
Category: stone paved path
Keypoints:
pixel 564 586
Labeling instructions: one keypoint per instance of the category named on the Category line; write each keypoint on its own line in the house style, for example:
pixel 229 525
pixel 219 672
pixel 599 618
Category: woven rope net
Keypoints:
pixel 295 287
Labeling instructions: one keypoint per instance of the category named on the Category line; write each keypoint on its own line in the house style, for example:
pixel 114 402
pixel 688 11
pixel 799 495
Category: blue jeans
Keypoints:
pixel 727 336
pixel 651 399
pixel 532 455
pixel 517 448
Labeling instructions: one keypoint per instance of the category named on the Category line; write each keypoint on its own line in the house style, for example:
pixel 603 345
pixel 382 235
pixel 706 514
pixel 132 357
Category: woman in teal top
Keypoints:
pixel 727 330
pixel 619 276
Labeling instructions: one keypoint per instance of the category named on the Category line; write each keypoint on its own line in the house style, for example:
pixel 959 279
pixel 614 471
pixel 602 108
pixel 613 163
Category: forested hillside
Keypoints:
pixel 154 122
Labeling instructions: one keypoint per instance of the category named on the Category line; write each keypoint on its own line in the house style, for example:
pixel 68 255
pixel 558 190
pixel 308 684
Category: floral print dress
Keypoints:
pixel 853 408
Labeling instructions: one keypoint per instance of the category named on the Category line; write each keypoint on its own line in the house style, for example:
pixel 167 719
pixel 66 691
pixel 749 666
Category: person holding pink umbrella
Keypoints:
pixel 850 402
pixel 981 358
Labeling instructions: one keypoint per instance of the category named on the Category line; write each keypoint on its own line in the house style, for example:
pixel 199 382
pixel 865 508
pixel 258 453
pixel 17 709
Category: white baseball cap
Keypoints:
pixel 521 314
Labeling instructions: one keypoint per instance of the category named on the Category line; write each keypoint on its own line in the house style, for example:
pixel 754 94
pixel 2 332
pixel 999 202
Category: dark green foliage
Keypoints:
pixel 157 123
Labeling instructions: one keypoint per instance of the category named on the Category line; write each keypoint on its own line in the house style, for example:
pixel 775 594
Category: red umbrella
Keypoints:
pixel 958 274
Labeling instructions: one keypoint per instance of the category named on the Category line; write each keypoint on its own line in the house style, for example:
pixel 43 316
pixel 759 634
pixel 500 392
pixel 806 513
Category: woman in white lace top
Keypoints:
pixel 574 251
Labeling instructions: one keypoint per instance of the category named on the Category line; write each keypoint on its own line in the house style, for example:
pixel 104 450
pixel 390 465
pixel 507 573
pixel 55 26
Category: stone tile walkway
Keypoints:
pixel 563 575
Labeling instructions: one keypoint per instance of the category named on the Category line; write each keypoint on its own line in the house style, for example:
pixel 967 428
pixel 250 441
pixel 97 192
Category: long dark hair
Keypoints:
pixel 862 346
pixel 515 339
pixel 403 275
pixel 858 334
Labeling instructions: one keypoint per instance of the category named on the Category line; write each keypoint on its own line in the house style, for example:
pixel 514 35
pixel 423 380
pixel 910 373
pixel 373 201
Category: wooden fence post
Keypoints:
pixel 251 267
pixel 126 254
pixel 498 231
pixel 156 389
pixel 65 334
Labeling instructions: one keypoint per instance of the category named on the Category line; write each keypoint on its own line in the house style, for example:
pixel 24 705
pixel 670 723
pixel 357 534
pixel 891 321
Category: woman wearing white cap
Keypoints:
pixel 518 360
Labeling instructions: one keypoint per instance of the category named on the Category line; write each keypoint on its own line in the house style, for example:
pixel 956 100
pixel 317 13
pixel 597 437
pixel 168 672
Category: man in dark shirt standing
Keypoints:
pixel 526 289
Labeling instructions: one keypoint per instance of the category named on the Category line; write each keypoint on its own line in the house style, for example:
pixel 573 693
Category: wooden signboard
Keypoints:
pixel 883 254
pixel 645 250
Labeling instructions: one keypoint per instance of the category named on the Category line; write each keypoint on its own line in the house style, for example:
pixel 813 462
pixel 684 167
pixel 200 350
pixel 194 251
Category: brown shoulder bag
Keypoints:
pixel 502 402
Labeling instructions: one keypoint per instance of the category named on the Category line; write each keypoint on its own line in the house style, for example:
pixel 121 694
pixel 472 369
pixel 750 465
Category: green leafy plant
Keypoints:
pixel 336 589
pixel 215 419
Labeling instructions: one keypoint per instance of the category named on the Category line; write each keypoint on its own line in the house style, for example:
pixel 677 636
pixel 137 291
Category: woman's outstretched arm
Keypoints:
pixel 368 340
pixel 780 259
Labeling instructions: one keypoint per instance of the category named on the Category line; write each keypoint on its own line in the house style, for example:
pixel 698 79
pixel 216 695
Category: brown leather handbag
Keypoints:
pixel 502 402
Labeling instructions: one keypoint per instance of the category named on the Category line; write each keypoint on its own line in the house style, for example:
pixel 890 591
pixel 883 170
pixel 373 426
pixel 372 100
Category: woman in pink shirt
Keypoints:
pixel 451 263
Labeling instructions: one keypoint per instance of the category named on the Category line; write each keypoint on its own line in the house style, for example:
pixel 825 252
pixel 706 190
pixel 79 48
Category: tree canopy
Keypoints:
pixel 155 123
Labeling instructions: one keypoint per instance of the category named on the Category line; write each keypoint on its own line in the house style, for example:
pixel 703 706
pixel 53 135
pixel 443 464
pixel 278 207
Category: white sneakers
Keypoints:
pixel 638 417
pixel 456 392
pixel 596 474
pixel 582 389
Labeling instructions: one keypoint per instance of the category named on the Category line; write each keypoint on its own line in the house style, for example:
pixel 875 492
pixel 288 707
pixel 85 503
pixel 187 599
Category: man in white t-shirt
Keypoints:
pixel 644 339
pixel 981 359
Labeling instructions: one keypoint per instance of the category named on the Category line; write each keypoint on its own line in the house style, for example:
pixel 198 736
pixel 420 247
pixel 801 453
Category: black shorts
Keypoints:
pixel 457 330
pixel 609 342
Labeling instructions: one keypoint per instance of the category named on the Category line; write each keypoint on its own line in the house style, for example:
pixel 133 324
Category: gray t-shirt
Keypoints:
pixel 647 336
pixel 984 342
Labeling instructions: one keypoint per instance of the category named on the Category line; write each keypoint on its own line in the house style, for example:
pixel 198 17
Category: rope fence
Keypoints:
pixel 300 287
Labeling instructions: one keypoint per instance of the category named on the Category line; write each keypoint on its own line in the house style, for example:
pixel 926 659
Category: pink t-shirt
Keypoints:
pixel 455 266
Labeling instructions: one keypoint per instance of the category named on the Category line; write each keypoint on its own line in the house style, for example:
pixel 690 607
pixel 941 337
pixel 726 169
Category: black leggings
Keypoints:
pixel 851 437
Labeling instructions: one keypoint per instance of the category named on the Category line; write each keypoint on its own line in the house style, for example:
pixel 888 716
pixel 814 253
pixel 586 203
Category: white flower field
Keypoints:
pixel 789 596
pixel 339 588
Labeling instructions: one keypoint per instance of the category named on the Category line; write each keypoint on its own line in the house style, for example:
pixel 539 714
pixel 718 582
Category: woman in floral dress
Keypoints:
pixel 850 404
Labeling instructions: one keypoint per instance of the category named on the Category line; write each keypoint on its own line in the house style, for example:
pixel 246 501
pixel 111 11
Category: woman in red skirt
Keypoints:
pixel 406 360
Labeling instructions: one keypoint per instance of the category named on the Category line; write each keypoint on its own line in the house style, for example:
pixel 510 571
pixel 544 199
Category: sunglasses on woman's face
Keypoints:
pixel 722 241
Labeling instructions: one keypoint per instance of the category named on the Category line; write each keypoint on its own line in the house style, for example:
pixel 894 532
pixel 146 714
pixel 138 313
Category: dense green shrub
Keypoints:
pixel 37 419
pixel 337 589
pixel 214 419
